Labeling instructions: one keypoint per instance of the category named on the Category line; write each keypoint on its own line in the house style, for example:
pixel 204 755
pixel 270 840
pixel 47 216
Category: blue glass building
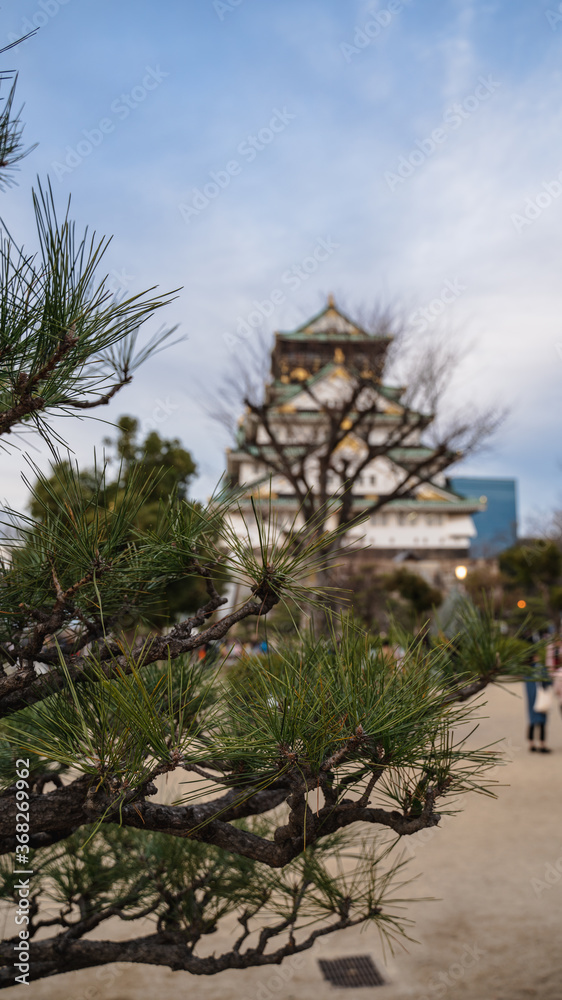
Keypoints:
pixel 496 526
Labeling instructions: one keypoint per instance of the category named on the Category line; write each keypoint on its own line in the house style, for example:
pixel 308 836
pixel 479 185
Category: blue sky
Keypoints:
pixel 136 105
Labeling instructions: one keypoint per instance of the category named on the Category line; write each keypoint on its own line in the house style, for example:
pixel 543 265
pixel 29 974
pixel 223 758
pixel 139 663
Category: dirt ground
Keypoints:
pixel 493 933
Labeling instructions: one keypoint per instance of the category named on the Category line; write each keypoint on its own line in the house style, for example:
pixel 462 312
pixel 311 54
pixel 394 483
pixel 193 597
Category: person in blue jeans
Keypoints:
pixel 537 720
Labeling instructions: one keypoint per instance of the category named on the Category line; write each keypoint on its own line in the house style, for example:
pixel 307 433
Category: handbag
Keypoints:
pixel 543 699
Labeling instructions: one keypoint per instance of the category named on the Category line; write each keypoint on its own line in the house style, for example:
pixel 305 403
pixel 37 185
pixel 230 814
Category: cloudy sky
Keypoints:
pixel 418 144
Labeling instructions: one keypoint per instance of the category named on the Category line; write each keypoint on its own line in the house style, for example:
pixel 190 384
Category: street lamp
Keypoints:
pixel 460 572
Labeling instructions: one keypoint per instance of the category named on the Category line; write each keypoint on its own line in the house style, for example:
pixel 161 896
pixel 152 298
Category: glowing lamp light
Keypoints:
pixel 521 604
pixel 460 572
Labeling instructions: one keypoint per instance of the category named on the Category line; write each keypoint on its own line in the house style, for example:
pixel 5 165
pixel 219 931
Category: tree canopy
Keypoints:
pixel 163 467
pixel 532 572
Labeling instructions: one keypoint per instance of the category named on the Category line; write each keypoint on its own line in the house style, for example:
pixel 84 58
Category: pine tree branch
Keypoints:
pixel 62 954
pixel 23 687
pixel 25 389
pixel 54 814
pixel 103 400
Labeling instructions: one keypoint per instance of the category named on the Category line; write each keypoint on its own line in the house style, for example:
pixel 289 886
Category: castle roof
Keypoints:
pixel 284 391
pixel 331 324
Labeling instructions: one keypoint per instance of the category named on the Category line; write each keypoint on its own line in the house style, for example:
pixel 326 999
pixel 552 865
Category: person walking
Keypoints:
pixel 538 690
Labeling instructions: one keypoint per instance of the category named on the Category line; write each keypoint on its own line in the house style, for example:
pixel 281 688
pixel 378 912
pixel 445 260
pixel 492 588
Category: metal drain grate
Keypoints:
pixel 357 970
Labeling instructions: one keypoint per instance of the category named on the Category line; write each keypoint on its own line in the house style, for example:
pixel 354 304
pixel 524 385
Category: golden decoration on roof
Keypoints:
pixel 262 492
pixel 300 373
pixel 339 356
pixel 428 494
pixel 348 442
pixel 340 372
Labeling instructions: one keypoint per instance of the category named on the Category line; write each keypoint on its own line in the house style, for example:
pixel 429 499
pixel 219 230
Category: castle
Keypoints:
pixel 329 372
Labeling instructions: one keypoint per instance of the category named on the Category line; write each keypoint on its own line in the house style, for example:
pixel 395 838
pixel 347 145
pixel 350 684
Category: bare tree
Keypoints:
pixel 406 425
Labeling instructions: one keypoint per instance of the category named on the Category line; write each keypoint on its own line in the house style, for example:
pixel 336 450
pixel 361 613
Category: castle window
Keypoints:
pixel 433 518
